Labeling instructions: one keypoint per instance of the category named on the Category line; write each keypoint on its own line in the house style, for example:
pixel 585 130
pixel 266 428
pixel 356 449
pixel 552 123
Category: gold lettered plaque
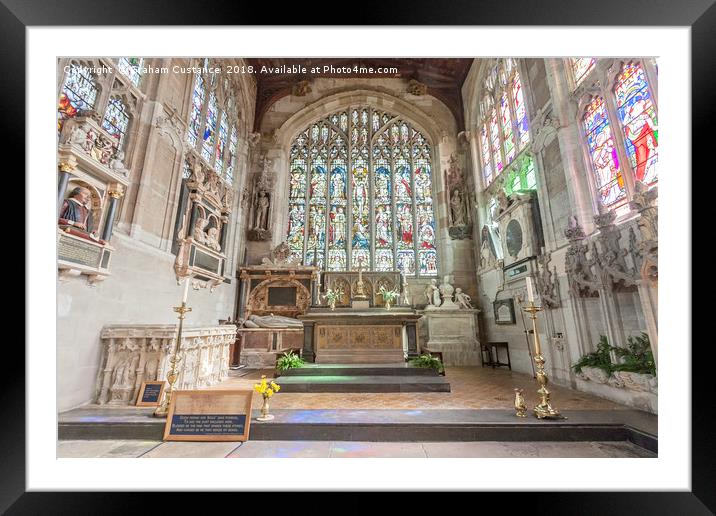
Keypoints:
pixel 150 394
pixel 206 415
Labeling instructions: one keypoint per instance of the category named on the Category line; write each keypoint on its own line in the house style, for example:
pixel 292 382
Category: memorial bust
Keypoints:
pixel 275 321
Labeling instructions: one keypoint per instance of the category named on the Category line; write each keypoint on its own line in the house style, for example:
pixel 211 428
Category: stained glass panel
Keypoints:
pixel 337 260
pixel 518 103
pixel 132 68
pixel 581 66
pixel 508 138
pixel 638 118
pixel 486 161
pixel 296 223
pixel 428 263
pixel 197 104
pixel 232 157
pixel 79 93
pixel 116 120
pixel 383 260
pixel 406 262
pixel 605 162
pixel 221 145
pixel 495 142
pixel 207 146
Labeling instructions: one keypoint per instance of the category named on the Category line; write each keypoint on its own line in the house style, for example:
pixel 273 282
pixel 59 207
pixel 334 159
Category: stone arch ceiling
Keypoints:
pixel 442 76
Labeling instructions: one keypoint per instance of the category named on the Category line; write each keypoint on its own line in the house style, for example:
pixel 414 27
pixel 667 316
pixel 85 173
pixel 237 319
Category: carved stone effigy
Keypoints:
pixel 132 354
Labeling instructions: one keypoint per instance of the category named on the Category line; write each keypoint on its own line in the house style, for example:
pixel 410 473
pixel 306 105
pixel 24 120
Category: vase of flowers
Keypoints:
pixel 333 295
pixel 389 296
pixel 266 389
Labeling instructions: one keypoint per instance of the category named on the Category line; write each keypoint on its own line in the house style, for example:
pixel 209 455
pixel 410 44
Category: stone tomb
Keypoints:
pixel 453 332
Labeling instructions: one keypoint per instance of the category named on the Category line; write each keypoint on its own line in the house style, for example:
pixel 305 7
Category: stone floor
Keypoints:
pixel 352 449
pixel 471 388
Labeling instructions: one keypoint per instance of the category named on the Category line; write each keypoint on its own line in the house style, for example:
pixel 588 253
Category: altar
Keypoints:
pixel 366 336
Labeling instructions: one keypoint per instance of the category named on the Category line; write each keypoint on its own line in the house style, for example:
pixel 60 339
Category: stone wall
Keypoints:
pixel 142 285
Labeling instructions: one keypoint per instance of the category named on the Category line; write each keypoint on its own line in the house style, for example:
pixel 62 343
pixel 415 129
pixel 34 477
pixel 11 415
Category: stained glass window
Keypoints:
pixel 581 66
pixel 197 105
pixel 521 178
pixel 221 145
pixel 603 153
pixel 505 125
pixel 79 93
pixel 211 116
pixel 360 194
pixel 638 119
pixel 116 120
pixel 231 162
pixel 518 104
pixel 132 68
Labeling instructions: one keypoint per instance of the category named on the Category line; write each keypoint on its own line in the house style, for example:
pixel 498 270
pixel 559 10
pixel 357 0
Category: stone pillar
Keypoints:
pixel 65 168
pixel 115 192
pixel 308 354
pixel 244 295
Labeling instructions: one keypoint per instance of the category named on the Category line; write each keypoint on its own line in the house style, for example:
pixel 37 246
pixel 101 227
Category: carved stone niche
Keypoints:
pixel 203 228
pixel 262 204
pixel 460 226
pixel 91 180
pixel 518 229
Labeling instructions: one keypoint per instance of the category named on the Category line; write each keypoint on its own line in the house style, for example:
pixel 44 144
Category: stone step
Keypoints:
pixel 95 422
pixel 360 383
pixel 359 370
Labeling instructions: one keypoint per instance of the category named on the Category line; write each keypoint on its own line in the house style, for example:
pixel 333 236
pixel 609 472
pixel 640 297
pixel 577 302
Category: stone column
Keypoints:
pixel 65 168
pixel 308 354
pixel 244 296
pixel 115 192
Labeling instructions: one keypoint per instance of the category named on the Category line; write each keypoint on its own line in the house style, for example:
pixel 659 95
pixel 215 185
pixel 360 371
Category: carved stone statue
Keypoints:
pixel 462 299
pixel 274 321
pixel 262 209
pixel 198 233
pixel 457 207
pixel 432 293
pixel 212 239
pixel 117 163
pixel 359 292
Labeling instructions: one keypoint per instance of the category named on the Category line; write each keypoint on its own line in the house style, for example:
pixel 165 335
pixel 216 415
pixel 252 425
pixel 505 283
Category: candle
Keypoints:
pixel 530 292
pixel 186 291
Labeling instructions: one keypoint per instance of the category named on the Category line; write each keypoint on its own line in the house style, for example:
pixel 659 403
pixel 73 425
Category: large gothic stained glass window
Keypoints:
pixel 361 195
pixel 638 119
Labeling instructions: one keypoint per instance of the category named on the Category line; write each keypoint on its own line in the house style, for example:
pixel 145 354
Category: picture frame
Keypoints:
pixel 149 396
pixel 700 16
pixel 209 415
pixel 504 310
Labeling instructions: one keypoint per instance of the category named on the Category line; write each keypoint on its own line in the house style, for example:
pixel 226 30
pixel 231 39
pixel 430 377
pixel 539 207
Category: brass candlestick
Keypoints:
pixel 543 410
pixel 163 409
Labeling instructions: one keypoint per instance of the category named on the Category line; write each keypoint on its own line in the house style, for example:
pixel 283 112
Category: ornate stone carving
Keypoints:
pixel 301 88
pixel 254 139
pixel 544 127
pixel 645 203
pixel 460 227
pixel 281 257
pixel 488 258
pixel 611 265
pixel 578 267
pixel 417 88
pixel 260 227
pixel 134 354
pixel 547 282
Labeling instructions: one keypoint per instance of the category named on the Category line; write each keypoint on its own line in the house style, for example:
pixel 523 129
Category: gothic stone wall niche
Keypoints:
pixel 203 230
pixel 262 203
pixel 372 281
pixel 91 180
pixel 458 203
pixel 134 354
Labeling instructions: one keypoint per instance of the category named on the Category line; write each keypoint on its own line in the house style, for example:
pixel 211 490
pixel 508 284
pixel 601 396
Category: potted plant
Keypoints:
pixel 389 296
pixel 333 295
pixel 266 389
pixel 288 360
pixel 428 361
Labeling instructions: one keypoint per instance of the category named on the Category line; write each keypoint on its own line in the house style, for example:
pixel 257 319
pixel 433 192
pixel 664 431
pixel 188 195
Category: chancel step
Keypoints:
pixel 359 370
pixel 361 383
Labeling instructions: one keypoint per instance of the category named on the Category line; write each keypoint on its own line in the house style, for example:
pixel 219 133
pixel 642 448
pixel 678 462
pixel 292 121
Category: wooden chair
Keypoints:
pixel 496 346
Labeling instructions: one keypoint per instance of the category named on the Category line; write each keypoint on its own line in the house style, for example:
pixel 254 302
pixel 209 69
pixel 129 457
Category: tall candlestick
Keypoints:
pixel 186 291
pixel 530 292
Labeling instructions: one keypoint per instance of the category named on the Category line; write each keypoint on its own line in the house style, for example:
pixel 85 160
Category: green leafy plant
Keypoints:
pixel 428 361
pixel 334 295
pixel 601 358
pixel 288 360
pixel 388 295
pixel 637 357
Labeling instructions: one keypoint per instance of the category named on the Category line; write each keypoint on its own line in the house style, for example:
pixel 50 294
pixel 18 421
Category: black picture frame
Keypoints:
pixel 510 304
pixel 699 15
